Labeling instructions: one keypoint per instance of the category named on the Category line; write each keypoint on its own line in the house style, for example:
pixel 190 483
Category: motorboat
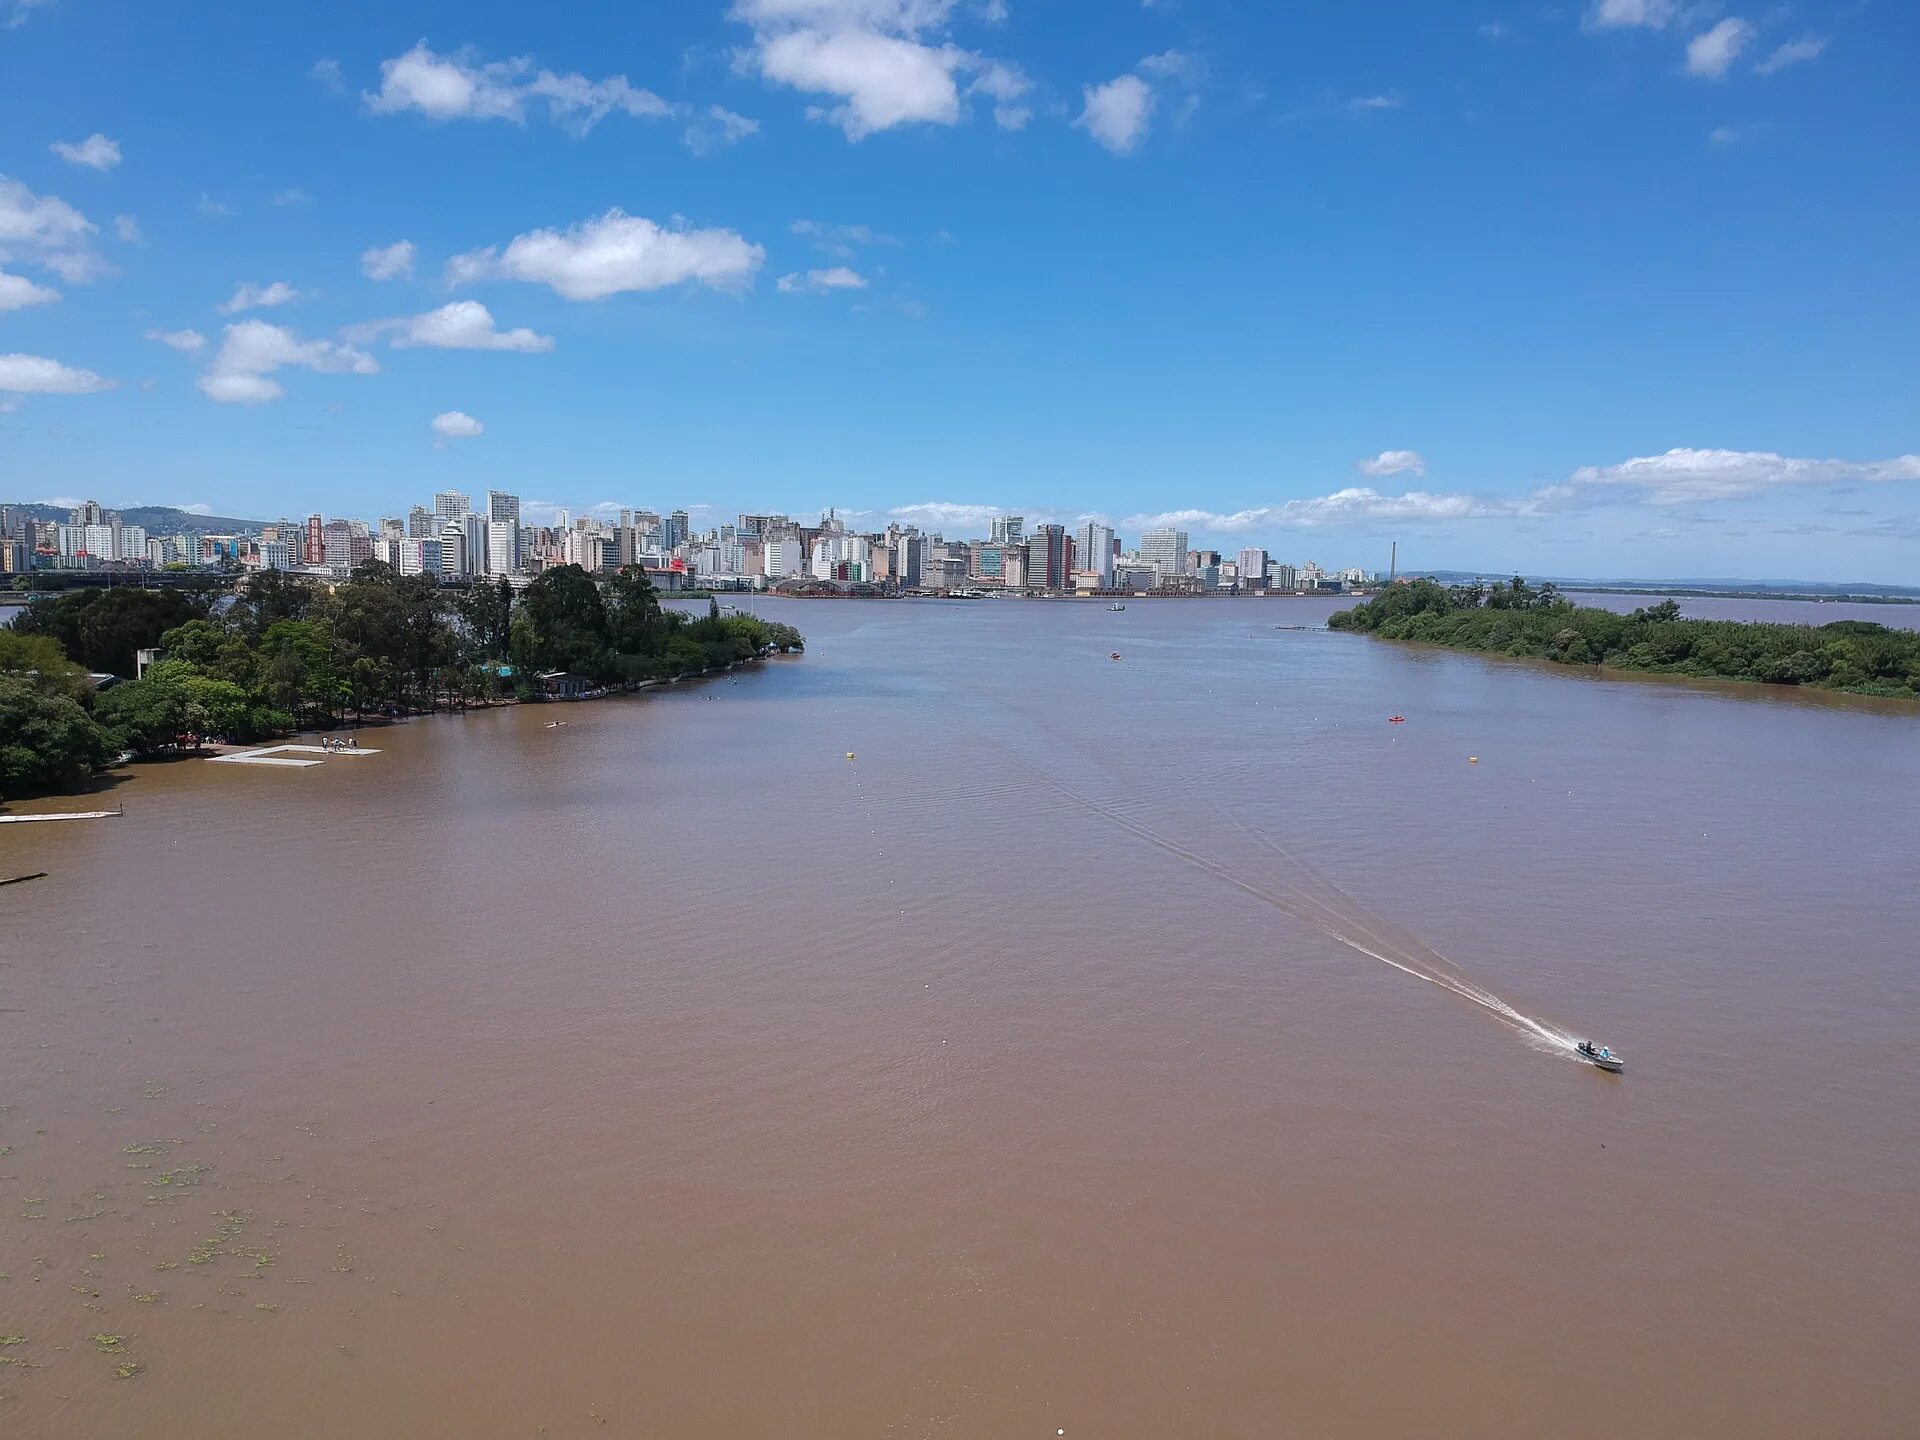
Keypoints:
pixel 1116 607
pixel 1396 719
pixel 1114 656
pixel 1600 1055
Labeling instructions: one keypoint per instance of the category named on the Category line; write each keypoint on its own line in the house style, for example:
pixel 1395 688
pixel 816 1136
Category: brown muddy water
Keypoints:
pixel 1065 1060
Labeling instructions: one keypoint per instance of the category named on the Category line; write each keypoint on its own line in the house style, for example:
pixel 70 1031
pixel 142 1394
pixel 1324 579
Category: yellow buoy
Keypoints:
pixel 849 754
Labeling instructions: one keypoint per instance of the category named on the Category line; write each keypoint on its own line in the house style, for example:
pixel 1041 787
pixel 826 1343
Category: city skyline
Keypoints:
pixel 1605 289
pixel 458 540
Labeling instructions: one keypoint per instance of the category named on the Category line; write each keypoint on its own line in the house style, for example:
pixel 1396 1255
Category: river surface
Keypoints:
pixel 959 1032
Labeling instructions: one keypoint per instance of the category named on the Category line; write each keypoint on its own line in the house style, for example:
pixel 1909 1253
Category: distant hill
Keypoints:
pixel 155 519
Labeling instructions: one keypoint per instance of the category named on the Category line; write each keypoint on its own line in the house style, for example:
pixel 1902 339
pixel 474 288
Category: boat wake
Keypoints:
pixel 1262 868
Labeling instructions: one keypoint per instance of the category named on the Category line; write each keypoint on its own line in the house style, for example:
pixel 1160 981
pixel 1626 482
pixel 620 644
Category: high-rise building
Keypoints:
pixel 336 545
pixel 1253 568
pixel 1166 551
pixel 316 548
pixel 422 523
pixel 502 539
pixel 1009 529
pixel 673 531
pixel 1282 577
pixel 503 510
pixel 1093 550
pixel 455 557
pixel 451 505
pixel 1050 558
pixel 87 512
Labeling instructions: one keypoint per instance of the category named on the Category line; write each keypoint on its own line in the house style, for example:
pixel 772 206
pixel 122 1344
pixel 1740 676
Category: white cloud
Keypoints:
pixel 718 127
pixel 96 152
pixel 1794 52
pixel 185 341
pixel 820 282
pixel 1175 65
pixel 884 80
pixel 37 375
pixel 1375 102
pixel 128 229
pixel 946 515
pixel 460 86
pixel 1723 135
pixel 388 262
pixel 457 425
pixel 614 253
pixel 886 61
pixel 1684 477
pixel 45 230
pixel 292 198
pixel 462 325
pixel 1710 53
pixel 326 73
pixel 1117 113
pixel 1006 85
pixel 17 292
pixel 251 350
pixel 249 296
pixel 214 208
pixel 1623 14
pixel 1393 462
pixel 1356 505
pixel 19 12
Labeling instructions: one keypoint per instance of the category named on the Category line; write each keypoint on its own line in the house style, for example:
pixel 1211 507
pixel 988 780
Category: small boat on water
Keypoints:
pixel 1396 719
pixel 1600 1055
pixel 1114 656
pixel 1116 607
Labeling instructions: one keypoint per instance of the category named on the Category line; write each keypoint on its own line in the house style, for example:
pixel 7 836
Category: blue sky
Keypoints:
pixel 1617 286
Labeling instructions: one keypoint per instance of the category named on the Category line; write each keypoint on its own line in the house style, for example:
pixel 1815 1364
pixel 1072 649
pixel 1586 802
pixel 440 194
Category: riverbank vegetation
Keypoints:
pixel 287 653
pixel 1538 622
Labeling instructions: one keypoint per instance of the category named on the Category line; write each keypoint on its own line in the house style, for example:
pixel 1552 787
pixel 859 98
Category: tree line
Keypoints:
pixel 285 653
pixel 1515 618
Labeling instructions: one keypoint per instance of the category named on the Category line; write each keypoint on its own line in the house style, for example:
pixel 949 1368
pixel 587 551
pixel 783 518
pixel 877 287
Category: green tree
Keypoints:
pixel 103 628
pixel 567 622
pixel 145 716
pixel 39 660
pixel 47 742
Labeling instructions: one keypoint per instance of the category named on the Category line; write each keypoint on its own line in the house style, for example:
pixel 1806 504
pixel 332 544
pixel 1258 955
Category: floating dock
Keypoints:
pixel 76 815
pixel 288 755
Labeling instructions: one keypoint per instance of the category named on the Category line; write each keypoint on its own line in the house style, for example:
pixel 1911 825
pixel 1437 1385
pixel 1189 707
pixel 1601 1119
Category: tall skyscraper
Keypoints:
pixel 503 510
pixel 1253 568
pixel 1050 558
pixel 315 550
pixel 1093 550
pixel 1009 529
pixel 1166 551
pixel 422 524
pixel 451 505
pixel 673 531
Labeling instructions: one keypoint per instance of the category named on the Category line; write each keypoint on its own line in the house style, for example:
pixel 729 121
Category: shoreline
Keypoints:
pixel 1854 701
pixel 112 777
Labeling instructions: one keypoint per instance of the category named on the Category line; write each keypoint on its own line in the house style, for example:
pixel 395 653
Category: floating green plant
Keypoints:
pixel 7 1341
pixel 128 1369
pixel 109 1342
pixel 142 1150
